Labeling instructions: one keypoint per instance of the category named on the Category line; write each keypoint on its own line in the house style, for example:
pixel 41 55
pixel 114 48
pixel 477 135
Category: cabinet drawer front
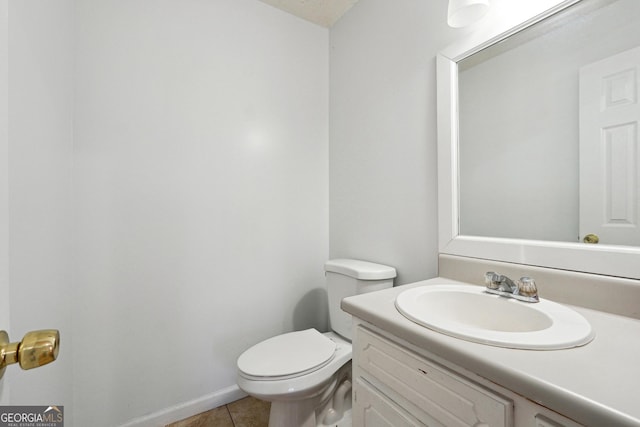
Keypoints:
pixel 373 409
pixel 556 421
pixel 442 394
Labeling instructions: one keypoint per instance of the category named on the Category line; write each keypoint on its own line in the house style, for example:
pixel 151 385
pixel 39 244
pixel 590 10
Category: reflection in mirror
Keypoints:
pixel 548 129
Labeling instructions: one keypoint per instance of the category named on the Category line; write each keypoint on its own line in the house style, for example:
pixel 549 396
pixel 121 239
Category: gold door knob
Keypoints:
pixel 591 238
pixel 37 348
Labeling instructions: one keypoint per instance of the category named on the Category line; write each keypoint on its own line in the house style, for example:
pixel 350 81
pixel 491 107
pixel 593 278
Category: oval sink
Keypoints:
pixel 469 313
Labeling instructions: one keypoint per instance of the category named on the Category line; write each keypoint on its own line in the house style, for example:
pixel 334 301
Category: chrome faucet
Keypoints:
pixel 524 289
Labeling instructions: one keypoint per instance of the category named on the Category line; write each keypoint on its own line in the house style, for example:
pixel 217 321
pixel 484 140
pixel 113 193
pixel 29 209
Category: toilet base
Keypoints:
pixel 331 408
pixel 290 417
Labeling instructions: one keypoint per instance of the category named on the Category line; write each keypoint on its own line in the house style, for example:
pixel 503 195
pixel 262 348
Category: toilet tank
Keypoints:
pixel 347 277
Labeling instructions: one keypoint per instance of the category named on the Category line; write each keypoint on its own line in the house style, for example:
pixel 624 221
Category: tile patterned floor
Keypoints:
pixel 247 412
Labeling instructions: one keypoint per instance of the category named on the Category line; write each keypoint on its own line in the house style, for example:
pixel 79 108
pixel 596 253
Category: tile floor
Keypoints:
pixel 247 412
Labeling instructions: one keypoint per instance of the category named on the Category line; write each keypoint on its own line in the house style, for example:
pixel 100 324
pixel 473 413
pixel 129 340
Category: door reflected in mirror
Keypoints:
pixel 548 129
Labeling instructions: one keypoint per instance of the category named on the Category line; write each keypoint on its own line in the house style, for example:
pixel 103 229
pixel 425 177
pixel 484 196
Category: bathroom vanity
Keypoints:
pixel 405 374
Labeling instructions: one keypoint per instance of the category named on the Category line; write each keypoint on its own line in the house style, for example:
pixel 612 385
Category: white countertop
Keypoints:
pixel 596 385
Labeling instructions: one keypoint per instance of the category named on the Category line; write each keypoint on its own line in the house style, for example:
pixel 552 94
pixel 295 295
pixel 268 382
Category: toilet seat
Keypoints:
pixel 301 386
pixel 287 356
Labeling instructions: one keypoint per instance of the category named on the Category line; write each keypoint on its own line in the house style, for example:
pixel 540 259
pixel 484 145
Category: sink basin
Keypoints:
pixel 469 313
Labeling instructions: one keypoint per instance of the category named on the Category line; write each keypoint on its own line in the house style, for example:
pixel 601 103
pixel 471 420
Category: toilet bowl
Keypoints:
pixel 306 375
pixel 299 397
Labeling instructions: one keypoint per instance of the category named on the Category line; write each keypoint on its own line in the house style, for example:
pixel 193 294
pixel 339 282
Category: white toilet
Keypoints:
pixel 306 375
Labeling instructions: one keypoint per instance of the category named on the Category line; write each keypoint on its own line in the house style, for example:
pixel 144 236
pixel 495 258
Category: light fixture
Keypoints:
pixel 465 12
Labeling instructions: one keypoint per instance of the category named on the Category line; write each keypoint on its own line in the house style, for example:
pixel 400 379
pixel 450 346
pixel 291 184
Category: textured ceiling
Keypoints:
pixel 321 12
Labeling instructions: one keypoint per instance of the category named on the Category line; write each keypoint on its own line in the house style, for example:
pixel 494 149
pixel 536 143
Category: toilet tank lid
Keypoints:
pixel 362 270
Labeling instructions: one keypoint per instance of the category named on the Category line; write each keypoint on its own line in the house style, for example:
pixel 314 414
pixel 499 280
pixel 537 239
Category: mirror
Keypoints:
pixel 538 141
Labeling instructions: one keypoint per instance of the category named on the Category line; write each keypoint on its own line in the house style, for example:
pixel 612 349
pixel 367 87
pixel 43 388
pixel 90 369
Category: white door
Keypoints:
pixel 4 182
pixel 609 154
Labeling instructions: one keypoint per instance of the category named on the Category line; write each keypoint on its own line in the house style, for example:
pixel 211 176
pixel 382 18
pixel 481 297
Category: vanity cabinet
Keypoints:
pixel 397 386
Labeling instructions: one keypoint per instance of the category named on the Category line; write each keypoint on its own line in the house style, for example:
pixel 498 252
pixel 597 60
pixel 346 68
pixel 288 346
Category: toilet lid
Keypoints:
pixel 294 353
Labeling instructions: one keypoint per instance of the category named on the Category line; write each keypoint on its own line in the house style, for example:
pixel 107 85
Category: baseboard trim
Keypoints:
pixel 187 409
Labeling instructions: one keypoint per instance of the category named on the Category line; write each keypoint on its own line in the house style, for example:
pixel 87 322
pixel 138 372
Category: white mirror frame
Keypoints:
pixel 620 261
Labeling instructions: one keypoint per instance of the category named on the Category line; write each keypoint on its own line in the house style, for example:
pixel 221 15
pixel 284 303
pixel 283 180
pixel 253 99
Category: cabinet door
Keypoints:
pixel 432 391
pixel 373 409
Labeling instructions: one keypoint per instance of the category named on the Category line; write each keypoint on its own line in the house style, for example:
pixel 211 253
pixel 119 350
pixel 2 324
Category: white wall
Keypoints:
pixel 383 134
pixel 201 183
pixel 37 167
pixel 163 196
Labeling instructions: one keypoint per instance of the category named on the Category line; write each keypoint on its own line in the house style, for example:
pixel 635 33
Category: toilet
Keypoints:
pixel 306 375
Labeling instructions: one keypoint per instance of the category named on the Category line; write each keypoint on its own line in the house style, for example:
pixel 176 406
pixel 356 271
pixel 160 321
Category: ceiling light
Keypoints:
pixel 465 12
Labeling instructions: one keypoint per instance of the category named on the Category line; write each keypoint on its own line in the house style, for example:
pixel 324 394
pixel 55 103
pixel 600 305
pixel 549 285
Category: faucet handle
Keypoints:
pixel 492 280
pixel 527 287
